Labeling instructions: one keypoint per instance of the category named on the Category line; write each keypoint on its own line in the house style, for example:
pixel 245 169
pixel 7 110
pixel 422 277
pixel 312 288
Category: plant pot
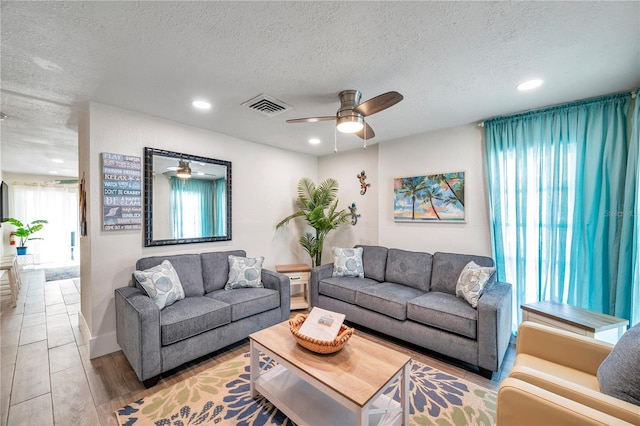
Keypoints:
pixel 21 251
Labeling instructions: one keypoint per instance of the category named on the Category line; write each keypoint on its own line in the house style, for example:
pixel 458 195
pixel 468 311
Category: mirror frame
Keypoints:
pixel 148 198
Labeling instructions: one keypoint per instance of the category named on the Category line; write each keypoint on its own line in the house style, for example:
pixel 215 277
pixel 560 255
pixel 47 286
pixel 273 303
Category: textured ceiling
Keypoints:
pixel 454 62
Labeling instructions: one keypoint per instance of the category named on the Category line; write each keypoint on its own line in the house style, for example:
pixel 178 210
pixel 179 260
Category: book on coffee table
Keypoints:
pixel 322 324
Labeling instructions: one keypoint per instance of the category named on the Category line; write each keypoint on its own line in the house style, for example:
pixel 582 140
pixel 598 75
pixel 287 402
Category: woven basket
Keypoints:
pixel 315 345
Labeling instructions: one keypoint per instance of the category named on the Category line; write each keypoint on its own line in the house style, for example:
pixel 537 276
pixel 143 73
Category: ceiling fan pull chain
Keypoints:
pixel 365 134
pixel 335 140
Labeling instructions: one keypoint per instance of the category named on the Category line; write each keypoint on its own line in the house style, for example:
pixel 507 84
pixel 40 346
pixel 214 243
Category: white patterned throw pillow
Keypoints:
pixel 471 282
pixel 348 262
pixel 244 272
pixel 161 283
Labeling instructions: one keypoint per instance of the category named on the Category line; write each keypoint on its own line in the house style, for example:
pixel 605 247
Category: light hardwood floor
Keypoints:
pixel 47 377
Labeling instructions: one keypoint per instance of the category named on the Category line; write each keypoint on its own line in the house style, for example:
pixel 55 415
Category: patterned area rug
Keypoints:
pixel 220 396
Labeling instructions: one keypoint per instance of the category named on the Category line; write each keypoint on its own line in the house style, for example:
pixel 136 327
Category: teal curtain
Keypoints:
pixel 220 211
pixel 192 208
pixel 632 210
pixel 560 180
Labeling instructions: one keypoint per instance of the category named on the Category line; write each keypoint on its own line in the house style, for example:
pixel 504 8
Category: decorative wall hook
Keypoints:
pixel 363 185
pixel 354 213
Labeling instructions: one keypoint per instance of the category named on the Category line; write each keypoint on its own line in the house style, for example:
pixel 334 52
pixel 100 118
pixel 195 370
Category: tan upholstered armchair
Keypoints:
pixel 554 382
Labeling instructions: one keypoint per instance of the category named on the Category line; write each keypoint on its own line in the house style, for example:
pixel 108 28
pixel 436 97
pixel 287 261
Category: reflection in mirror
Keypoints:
pixel 187 198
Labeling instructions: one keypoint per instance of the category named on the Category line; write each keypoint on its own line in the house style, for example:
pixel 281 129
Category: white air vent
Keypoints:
pixel 266 105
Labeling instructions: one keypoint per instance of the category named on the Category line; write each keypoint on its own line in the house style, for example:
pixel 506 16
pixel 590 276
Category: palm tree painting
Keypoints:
pixel 435 198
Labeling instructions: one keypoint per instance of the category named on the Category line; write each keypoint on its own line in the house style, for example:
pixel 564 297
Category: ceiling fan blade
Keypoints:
pixel 378 103
pixel 312 119
pixel 366 133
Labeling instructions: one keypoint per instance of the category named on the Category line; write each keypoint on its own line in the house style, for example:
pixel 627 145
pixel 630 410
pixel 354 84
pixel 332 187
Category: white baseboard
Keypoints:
pixel 100 345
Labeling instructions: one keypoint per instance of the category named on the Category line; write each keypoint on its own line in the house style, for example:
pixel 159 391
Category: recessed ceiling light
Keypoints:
pixel 200 104
pixel 530 84
pixel 57 160
pixel 314 141
pixel 53 172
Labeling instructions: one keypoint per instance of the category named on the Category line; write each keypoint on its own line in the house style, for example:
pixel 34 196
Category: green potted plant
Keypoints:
pixel 319 206
pixel 25 232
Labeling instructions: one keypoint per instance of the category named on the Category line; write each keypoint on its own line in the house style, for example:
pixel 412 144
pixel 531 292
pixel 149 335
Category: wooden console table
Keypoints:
pixel 578 320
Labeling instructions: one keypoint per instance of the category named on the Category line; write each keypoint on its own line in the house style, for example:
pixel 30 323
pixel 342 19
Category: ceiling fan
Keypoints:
pixel 183 170
pixel 351 114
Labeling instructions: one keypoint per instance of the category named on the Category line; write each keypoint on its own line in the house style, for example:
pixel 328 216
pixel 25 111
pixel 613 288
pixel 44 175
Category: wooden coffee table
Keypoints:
pixel 344 388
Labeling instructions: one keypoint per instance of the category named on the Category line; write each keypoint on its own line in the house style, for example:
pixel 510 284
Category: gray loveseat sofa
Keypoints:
pixel 412 296
pixel 207 319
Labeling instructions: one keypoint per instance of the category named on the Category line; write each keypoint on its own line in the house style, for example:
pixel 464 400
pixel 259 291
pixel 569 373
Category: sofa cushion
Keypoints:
pixel 161 283
pixel 246 302
pixel 215 268
pixel 389 299
pixel 446 312
pixel 448 266
pixel 187 266
pixel 374 260
pixel 244 272
pixel 410 268
pixel 191 316
pixel 347 262
pixel 343 288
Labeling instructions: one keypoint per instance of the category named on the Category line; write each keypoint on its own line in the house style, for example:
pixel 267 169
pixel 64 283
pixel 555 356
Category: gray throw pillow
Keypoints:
pixel 348 262
pixel 161 283
pixel 472 281
pixel 244 272
pixel 619 373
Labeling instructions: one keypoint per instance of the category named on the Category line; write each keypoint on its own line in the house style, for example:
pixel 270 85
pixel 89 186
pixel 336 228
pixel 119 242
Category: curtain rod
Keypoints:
pixel 481 123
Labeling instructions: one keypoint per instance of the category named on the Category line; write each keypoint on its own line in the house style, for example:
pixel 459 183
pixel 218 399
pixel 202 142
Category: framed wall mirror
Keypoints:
pixel 187 198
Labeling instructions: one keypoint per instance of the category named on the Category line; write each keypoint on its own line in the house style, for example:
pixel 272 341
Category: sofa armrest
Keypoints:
pixel 521 403
pixel 318 274
pixel 543 341
pixel 281 283
pixel 581 394
pixel 494 325
pixel 138 331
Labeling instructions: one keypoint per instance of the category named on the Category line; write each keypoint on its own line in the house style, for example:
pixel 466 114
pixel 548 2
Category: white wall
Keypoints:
pixel 450 150
pixel 345 167
pixel 264 183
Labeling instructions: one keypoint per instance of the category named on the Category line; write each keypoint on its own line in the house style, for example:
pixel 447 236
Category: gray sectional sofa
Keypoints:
pixel 412 296
pixel 207 319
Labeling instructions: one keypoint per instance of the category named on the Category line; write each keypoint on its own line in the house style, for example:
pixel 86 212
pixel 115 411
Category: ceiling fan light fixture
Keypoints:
pixel 184 171
pixel 350 124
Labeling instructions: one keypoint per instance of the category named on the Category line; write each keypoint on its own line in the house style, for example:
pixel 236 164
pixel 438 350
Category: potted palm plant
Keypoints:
pixel 319 206
pixel 25 232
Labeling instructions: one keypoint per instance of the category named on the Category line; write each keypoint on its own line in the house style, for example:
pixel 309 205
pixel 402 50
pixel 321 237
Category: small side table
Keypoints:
pixel 578 320
pixel 299 276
